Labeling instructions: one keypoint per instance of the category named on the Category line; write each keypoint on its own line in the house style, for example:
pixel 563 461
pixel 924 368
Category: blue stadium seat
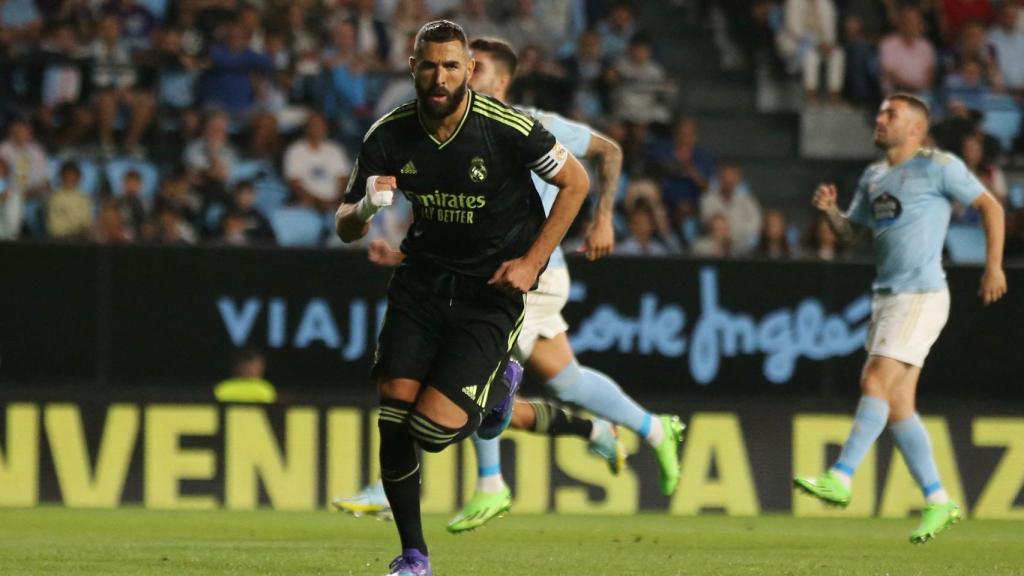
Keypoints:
pixel 297 226
pixel 117 168
pixel 966 244
pixel 1002 119
pixel 90 174
pixel 271 190
pixel 157 7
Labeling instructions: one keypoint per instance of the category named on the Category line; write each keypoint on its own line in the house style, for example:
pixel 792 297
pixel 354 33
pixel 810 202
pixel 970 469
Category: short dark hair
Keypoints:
pixel 244 356
pixel 133 174
pixel 70 166
pixel 915 102
pixel 499 50
pixel 440 31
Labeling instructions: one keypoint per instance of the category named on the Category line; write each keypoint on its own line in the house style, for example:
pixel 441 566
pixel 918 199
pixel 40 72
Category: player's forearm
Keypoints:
pixel 842 226
pixel 993 222
pixel 609 156
pixel 347 223
pixel 573 185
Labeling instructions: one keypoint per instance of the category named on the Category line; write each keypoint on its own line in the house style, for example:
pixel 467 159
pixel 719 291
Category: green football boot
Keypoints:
pixel 480 509
pixel 827 488
pixel 667 453
pixel 934 519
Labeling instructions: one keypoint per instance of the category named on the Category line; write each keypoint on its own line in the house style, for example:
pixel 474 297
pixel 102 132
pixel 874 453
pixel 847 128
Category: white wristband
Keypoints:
pixel 365 210
pixel 373 201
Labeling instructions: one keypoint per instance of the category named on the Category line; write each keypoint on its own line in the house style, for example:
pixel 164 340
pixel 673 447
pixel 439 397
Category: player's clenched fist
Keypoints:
pixel 380 193
pixel 515 276
pixel 825 197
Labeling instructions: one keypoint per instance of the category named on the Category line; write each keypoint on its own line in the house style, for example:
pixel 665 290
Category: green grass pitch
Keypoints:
pixel 134 541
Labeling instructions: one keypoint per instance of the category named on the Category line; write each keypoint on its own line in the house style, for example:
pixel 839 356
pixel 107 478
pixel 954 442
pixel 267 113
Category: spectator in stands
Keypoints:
pixel 251 22
pixel 875 17
pixel 861 64
pixel 243 223
pixel 523 28
pixel 172 229
pixel 773 243
pixel 135 22
pixel 973 45
pixel 175 193
pixel 474 18
pixel 175 85
pixel 687 165
pixel 540 82
pixel 228 83
pixel 958 14
pixel 347 84
pixel 210 159
pixel 617 30
pixel 585 70
pixel 809 40
pixel 264 138
pixel 729 196
pixel 58 75
pixel 132 207
pixel 373 40
pixel 69 209
pixel 640 87
pixel 21 23
pixel 115 84
pixel 644 193
pixel 983 166
pixel 110 227
pixel 907 58
pixel 316 169
pixel 644 237
pixel 1007 41
pixel 27 175
pixel 967 84
pixel 717 239
pixel 820 242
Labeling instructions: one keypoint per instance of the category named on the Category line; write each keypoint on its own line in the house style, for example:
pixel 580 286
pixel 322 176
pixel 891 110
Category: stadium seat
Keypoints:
pixel 966 244
pixel 271 191
pixel 1002 121
pixel 156 7
pixel 116 169
pixel 90 174
pixel 297 226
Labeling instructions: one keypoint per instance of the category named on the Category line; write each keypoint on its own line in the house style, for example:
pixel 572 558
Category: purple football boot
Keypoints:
pixel 497 420
pixel 410 563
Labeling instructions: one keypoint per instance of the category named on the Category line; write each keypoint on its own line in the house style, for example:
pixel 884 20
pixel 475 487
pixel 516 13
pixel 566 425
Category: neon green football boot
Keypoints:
pixel 934 519
pixel 667 453
pixel 827 488
pixel 480 509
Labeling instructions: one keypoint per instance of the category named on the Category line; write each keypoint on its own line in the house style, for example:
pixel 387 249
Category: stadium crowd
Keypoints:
pixel 222 121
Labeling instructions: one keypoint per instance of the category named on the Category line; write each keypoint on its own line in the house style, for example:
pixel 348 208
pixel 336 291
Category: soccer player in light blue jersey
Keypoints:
pixel 543 345
pixel 905 201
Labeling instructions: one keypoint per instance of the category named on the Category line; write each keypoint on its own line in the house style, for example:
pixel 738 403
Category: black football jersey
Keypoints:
pixel 474 202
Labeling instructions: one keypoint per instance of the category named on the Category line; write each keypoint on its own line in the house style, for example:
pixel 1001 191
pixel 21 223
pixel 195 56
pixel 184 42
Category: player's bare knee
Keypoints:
pixel 401 389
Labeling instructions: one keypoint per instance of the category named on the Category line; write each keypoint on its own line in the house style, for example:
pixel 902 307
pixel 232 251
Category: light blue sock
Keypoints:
pixel 594 391
pixel 912 440
pixel 488 458
pixel 868 423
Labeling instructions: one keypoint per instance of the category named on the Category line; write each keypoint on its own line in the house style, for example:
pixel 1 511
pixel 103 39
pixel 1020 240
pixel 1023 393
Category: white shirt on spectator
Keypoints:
pixel 742 211
pixel 318 169
pixel 1009 49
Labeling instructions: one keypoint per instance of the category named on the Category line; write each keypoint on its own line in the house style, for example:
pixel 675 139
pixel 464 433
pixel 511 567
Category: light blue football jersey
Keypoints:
pixel 576 138
pixel 908 207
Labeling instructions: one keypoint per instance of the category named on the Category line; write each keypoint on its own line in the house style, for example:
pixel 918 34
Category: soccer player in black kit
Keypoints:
pixel 478 242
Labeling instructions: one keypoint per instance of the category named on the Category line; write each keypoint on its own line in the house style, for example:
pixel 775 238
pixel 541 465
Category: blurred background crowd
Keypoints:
pixel 231 122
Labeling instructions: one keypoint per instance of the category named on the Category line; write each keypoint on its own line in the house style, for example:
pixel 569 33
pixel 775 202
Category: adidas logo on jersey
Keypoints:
pixel 409 168
pixel 470 391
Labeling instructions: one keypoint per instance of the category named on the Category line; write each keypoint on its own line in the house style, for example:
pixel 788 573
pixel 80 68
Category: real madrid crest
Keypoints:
pixel 477 170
